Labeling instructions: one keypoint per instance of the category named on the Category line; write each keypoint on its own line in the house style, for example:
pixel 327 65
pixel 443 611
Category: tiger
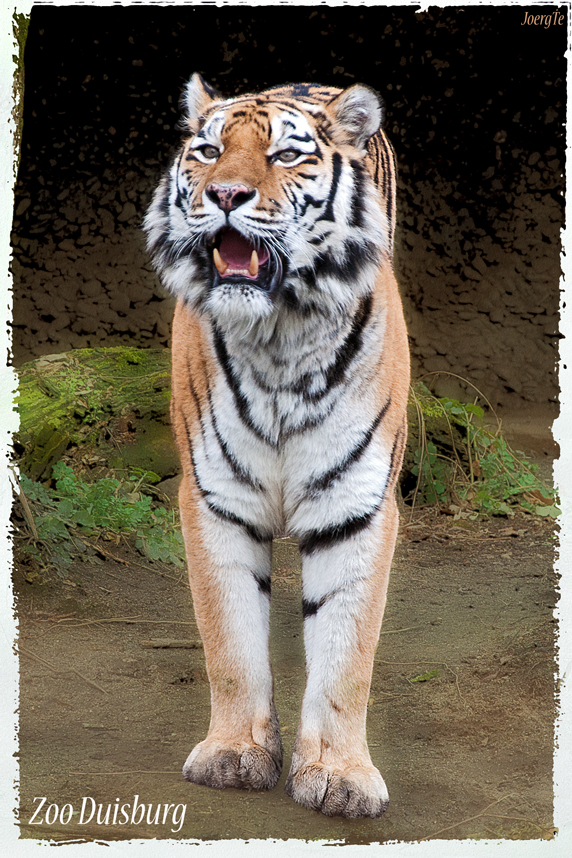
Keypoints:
pixel 273 227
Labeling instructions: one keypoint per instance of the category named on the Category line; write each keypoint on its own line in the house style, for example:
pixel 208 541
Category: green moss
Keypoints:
pixel 71 398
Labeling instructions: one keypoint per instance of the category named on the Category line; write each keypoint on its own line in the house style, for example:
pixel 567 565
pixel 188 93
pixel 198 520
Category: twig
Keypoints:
pixel 134 772
pixel 67 670
pixel 130 620
pixel 26 506
pixel 465 381
pixel 463 821
pixel 37 657
pixel 522 819
pixel 171 643
pixel 104 551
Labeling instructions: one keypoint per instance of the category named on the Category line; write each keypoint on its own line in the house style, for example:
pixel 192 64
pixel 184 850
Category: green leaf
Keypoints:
pixel 548 511
pixel 65 508
pixel 425 677
pixel 84 518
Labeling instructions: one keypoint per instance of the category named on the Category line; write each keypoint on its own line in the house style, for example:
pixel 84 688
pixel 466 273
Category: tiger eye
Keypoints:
pixel 287 156
pixel 210 152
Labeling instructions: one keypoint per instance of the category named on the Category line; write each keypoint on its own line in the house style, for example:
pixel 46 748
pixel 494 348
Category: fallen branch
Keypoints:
pixel 463 821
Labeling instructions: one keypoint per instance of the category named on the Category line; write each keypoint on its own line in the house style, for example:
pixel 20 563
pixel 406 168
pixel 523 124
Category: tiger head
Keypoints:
pixel 270 203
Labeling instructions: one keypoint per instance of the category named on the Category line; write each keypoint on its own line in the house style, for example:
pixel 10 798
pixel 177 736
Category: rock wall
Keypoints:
pixel 82 277
pixel 480 151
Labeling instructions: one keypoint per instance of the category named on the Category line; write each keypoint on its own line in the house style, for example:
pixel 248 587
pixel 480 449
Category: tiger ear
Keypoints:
pixel 197 96
pixel 359 112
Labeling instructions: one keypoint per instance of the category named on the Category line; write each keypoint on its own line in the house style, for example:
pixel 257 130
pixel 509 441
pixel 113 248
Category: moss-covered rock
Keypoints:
pixel 115 399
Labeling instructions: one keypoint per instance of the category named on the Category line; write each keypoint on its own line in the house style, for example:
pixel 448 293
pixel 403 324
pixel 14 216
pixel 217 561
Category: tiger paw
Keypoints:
pixel 351 792
pixel 239 765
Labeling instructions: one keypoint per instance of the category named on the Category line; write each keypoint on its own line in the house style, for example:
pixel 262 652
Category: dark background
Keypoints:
pixel 475 107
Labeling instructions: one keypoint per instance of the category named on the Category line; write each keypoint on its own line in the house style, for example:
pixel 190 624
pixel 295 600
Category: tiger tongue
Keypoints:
pixel 236 250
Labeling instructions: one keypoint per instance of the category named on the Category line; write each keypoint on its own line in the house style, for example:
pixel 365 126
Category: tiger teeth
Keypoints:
pixel 221 265
pixel 253 268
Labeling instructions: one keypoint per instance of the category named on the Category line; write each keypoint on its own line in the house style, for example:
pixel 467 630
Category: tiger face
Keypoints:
pixel 268 206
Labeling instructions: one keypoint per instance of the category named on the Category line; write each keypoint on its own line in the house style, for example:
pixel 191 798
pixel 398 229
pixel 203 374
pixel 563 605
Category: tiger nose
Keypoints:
pixel 229 197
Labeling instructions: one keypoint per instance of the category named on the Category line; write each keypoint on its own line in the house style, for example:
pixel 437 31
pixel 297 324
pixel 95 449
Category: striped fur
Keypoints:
pixel 289 411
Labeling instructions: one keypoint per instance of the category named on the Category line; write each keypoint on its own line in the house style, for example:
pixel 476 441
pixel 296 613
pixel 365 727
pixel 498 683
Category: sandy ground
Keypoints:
pixel 468 753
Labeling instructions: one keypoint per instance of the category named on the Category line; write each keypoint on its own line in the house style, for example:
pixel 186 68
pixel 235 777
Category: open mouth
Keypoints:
pixel 237 260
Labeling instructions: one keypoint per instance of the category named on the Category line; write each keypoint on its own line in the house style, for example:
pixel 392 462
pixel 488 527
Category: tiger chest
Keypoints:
pixel 280 437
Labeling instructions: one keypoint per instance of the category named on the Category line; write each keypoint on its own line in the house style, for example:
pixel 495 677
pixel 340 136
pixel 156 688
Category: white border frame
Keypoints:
pixel 561 846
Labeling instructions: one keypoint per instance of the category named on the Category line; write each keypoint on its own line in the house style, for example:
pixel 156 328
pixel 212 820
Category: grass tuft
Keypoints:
pixel 461 461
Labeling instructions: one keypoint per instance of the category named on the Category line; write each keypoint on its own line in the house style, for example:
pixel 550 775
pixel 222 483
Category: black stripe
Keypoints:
pixel 230 517
pixel 191 454
pixel 382 159
pixel 322 133
pixel 309 201
pixel 264 584
pixel 390 191
pixel 241 474
pixel 291 197
pixel 230 125
pixel 317 540
pixel 290 298
pixel 329 477
pixel 348 350
pixel 311 608
pixel 165 192
pixel 358 194
pixel 336 372
pixel 373 154
pixel 336 172
pixel 179 193
pixel 305 138
pixel 316 156
pixel 357 256
pixel 303 90
pixel 260 100
pixel 165 252
pixel 239 398
pixel 396 458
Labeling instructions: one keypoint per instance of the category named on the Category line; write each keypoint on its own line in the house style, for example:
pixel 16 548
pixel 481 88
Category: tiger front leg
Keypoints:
pixel 229 573
pixel 345 587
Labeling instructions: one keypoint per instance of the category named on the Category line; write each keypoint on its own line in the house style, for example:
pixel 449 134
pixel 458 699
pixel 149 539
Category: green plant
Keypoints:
pixel 425 677
pixel 471 463
pixel 64 518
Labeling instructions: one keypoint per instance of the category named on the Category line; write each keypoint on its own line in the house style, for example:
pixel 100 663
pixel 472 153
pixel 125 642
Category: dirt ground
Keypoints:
pixel 109 713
